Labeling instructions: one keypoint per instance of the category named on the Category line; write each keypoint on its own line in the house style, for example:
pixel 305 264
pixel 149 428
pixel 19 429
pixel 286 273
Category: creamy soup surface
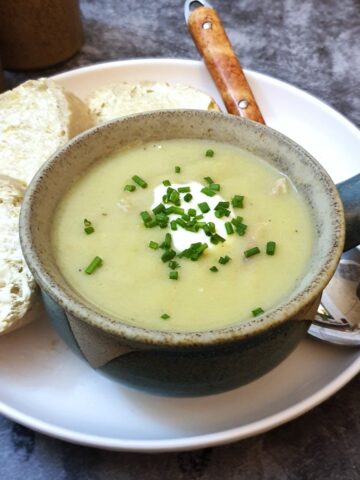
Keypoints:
pixel 132 283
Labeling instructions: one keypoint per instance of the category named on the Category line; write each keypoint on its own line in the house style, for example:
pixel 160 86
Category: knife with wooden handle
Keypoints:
pixel 214 46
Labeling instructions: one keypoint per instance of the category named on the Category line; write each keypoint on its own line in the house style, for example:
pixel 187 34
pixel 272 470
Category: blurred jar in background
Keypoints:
pixel 2 80
pixel 38 33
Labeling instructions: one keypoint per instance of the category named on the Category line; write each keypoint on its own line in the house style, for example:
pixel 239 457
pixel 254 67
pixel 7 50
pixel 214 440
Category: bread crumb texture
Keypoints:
pixel 17 286
pixel 36 118
pixel 118 99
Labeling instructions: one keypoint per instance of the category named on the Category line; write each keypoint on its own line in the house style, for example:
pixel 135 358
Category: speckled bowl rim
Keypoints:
pixel 130 334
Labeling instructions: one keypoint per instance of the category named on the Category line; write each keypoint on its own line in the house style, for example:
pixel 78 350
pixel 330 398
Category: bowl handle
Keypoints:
pixel 349 192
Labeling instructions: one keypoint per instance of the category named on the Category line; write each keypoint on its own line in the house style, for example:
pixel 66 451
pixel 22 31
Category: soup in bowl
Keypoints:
pixel 183 252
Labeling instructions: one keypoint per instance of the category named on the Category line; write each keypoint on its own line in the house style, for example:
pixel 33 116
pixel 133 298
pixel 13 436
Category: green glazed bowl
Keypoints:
pixel 175 363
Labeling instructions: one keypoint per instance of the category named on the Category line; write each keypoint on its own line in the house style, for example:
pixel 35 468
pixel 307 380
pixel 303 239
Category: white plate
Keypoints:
pixel 44 386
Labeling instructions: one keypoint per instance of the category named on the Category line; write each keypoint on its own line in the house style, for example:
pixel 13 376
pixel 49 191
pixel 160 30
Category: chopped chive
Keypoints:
pixel 181 222
pixel 208 191
pixel 93 265
pixel 188 197
pixel 194 251
pixel 229 228
pixel 257 311
pixel 88 228
pixel 159 208
pixel 168 255
pixel 146 217
pixel 173 225
pixel 224 260
pixel 166 183
pixel 174 196
pixel 237 221
pixel 204 207
pixel 173 265
pixel 209 180
pixel 167 242
pixel 241 229
pixel 237 201
pixel 165 316
pixel 214 269
pixel 173 275
pixel 165 199
pixel 184 189
pixel 215 186
pixel 251 252
pixel 162 219
pixel 270 248
pixel 209 153
pixel 222 205
pixel 129 188
pixel 215 239
pixel 192 212
pixel 177 169
pixel 151 224
pixel 211 226
pixel 153 245
pixel 185 217
pixel 199 217
pixel 139 181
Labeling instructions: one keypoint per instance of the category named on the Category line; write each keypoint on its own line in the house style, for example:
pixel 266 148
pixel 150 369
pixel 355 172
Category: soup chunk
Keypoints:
pixel 182 235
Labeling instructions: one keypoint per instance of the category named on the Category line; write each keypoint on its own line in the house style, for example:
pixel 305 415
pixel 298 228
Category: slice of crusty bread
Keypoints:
pixel 17 286
pixel 123 98
pixel 36 118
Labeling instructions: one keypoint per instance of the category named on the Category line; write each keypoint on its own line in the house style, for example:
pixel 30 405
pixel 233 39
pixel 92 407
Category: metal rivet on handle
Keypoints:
pixel 243 104
pixel 207 25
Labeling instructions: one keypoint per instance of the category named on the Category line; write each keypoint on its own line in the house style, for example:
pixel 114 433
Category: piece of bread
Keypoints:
pixel 36 118
pixel 17 285
pixel 123 98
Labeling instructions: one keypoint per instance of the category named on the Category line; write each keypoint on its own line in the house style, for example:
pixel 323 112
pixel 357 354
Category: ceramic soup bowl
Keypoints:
pixel 195 363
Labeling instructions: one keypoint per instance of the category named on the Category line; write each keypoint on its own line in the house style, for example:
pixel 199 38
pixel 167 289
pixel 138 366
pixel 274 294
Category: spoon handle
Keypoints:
pixel 214 46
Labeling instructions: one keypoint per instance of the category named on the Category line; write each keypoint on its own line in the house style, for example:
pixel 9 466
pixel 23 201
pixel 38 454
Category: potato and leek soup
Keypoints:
pixel 182 235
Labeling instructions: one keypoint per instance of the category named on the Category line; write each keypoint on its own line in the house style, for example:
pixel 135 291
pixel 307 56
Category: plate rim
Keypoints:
pixel 209 439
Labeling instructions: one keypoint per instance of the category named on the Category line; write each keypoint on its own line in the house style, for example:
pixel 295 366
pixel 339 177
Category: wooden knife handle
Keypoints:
pixel 214 46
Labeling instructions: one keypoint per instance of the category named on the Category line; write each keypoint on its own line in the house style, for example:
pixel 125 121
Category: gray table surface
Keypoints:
pixel 313 44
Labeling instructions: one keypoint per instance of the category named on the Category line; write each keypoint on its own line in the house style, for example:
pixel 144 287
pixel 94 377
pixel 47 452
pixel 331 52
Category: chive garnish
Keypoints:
pixel 167 242
pixel 168 255
pixel 257 311
pixel 139 181
pixel 173 225
pixel 199 217
pixel 166 183
pixel 215 186
pixel 88 228
pixel 188 197
pixel 181 222
pixel 146 217
pixel 237 221
pixel 174 265
pixel 270 248
pixel 209 153
pixel 153 223
pixel 93 265
pixel 224 260
pixel 177 169
pixel 208 191
pixel 194 251
pixel 192 212
pixel 204 207
pixel 215 239
pixel 241 229
pixel 184 189
pixel 159 208
pixel 211 226
pixel 214 269
pixel 209 180
pixel 153 245
pixel 174 196
pixel 165 316
pixel 237 201
pixel 129 188
pixel 185 217
pixel 229 228
pixel 173 275
pixel 251 252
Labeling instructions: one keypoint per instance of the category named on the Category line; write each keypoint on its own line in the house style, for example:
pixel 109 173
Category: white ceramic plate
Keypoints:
pixel 46 387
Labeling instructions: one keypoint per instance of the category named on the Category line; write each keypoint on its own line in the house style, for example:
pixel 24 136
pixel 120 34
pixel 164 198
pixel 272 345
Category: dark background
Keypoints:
pixel 315 45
